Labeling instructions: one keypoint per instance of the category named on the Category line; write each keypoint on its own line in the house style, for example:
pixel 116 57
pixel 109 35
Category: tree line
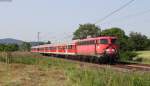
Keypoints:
pixel 25 46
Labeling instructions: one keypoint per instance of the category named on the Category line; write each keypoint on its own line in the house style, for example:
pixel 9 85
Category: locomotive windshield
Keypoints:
pixel 114 41
pixel 103 41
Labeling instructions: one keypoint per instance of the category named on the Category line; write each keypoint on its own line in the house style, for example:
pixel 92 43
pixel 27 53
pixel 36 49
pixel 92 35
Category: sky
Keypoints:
pixel 56 20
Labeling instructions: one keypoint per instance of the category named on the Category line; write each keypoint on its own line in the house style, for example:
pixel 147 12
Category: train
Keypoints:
pixel 104 47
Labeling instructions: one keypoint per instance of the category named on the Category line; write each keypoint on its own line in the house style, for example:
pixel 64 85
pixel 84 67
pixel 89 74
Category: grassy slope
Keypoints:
pixel 145 55
pixel 57 72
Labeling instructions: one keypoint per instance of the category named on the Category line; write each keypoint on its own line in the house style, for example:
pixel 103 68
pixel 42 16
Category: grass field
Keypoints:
pixel 26 69
pixel 145 55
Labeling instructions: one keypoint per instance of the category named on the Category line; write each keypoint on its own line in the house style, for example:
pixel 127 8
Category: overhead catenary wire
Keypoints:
pixel 113 12
pixel 129 16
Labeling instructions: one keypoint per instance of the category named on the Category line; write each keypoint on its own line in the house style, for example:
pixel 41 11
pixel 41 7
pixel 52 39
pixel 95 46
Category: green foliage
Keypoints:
pixel 48 42
pixel 127 55
pixel 86 30
pixel 118 32
pixel 138 41
pixel 25 46
pixel 9 47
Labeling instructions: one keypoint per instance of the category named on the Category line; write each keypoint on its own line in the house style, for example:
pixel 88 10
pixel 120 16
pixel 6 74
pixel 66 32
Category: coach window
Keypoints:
pixel 63 47
pixel 46 48
pixel 50 48
pixel 69 46
pixel 73 47
pixel 103 41
pixel 80 43
pixel 53 48
pixel 92 42
pixel 59 47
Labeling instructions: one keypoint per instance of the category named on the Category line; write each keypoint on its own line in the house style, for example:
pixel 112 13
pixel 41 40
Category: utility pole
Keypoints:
pixel 38 38
pixel 37 60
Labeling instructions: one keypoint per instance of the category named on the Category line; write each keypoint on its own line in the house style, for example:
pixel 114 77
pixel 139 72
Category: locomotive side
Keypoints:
pixel 99 46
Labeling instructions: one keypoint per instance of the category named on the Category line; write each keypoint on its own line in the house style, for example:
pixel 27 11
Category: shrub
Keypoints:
pixel 127 55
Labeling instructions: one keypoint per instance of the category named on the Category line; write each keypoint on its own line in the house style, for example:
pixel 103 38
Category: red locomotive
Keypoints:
pixel 105 46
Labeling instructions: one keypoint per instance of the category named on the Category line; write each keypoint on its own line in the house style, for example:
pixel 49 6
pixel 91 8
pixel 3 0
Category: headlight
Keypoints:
pixel 110 50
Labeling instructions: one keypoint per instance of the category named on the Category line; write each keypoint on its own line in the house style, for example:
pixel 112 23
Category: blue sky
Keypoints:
pixel 57 19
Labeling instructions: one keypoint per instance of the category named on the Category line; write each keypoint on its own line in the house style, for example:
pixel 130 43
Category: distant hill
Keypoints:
pixel 19 42
pixel 10 41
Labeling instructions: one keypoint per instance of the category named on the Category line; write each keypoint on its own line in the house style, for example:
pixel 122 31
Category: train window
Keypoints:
pixel 114 41
pixel 46 48
pixel 61 47
pixel 73 47
pixel 86 42
pixel 103 41
pixel 92 42
pixel 52 48
pixel 80 43
pixel 69 46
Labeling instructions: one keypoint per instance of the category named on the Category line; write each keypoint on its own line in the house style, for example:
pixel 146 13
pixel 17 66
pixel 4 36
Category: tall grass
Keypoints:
pixel 78 75
pixel 18 57
pixel 108 77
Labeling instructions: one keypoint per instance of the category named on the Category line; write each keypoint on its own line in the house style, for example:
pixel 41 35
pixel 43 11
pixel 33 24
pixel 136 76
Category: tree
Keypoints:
pixel 12 47
pixel 9 47
pixel 48 42
pixel 86 30
pixel 120 34
pixel 148 48
pixel 2 47
pixel 138 41
pixel 25 46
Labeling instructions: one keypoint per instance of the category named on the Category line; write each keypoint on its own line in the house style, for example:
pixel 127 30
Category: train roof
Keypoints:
pixel 102 37
pixel 52 45
pixel 73 42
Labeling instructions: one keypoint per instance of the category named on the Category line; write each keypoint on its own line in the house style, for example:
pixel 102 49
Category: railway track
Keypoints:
pixel 133 67
pixel 119 65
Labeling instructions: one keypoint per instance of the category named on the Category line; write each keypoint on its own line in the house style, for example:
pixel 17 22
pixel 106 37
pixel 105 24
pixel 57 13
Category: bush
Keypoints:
pixel 138 59
pixel 127 55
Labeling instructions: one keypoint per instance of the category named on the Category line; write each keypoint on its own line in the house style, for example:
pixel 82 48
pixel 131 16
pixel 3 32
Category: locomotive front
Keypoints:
pixel 107 47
